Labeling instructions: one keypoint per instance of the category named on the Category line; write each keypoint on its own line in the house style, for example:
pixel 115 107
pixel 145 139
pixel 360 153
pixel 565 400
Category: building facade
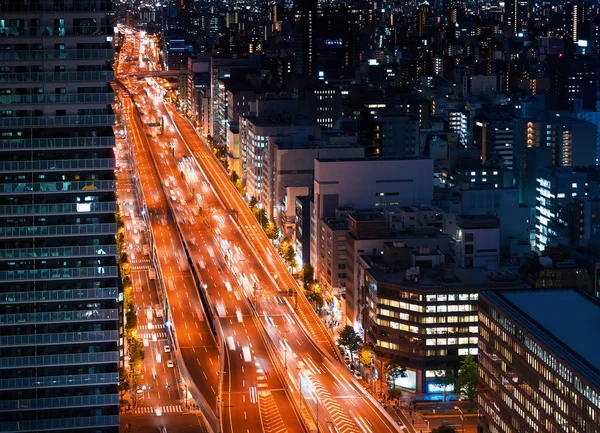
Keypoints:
pixel 539 368
pixel 60 296
pixel 422 311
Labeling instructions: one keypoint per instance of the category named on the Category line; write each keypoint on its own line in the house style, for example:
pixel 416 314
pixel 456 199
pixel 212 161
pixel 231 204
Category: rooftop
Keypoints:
pixel 373 159
pixel 444 277
pixel 568 317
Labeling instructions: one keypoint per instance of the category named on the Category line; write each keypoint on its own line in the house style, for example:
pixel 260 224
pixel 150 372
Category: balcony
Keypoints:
pixel 59 339
pixel 58 77
pixel 57 143
pixel 65 164
pixel 59 381
pixel 58 360
pixel 58 121
pixel 49 29
pixel 56 6
pixel 59 317
pixel 41 55
pixel 56 209
pixel 61 424
pixel 70 98
pixel 28 188
pixel 60 274
pixel 59 295
pixel 36 253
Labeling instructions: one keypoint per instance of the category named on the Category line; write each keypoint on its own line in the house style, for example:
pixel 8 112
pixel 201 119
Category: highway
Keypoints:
pixel 254 398
pixel 264 334
pixel 327 386
pixel 196 346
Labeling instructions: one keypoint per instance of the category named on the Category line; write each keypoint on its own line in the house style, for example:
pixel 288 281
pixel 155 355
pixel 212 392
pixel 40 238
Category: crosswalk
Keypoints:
pixel 140 264
pixel 152 409
pixel 150 326
pixel 159 335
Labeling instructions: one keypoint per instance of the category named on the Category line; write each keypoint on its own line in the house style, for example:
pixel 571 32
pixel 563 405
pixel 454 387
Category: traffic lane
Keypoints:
pixel 203 365
pixel 241 414
pixel 287 412
pixel 367 415
pixel 160 238
pixel 251 227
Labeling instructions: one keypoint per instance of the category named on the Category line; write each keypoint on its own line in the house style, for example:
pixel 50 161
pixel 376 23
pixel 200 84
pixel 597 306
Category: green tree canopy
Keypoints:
pixel 394 370
pixel 261 217
pixel 444 377
pixel 283 245
pixel 315 295
pixel 234 177
pixel 130 318
pixel 124 383
pixel 253 202
pixel 365 355
pixel 349 339
pixel 466 382
pixel 290 256
pixel 308 275
pixel 272 231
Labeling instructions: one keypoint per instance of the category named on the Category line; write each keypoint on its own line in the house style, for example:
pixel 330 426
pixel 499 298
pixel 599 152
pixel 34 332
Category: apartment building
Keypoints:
pixel 60 296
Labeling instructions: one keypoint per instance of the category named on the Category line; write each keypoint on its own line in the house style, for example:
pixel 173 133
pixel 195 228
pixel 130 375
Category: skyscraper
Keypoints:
pixel 59 279
pixel 304 36
pixel 516 15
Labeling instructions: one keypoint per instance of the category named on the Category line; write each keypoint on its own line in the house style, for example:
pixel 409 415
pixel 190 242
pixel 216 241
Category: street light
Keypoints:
pixel 462 417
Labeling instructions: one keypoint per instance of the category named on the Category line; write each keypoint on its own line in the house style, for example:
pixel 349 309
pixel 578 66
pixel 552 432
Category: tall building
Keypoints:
pixel 304 36
pixel 578 27
pixel 60 297
pixel 539 364
pixel 516 14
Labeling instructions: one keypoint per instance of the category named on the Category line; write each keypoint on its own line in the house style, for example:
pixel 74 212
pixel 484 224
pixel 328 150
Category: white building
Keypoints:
pixel 477 241
pixel 365 183
pixel 290 160
pixel 255 131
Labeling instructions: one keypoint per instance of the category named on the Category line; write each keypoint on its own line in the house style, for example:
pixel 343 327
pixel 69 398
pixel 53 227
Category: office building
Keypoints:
pixel 60 297
pixel 571 142
pixel 555 187
pixel 539 361
pixel 416 307
pixel 477 241
pixel 365 183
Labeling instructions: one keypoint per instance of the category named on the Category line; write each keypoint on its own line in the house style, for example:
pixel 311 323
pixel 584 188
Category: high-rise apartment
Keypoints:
pixel 59 280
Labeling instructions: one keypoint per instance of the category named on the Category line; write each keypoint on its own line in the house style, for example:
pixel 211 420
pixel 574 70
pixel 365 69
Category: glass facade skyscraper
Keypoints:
pixel 60 296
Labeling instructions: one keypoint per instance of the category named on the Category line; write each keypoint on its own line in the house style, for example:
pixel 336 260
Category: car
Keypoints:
pixel 357 375
pixel 167 348
pixel 158 411
pixel 170 364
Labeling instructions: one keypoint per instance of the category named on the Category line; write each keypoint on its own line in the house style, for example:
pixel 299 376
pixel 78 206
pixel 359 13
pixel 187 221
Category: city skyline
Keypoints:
pixel 310 216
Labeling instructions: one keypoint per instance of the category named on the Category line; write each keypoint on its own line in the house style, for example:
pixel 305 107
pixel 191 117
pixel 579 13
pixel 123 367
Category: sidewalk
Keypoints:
pixel 414 416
